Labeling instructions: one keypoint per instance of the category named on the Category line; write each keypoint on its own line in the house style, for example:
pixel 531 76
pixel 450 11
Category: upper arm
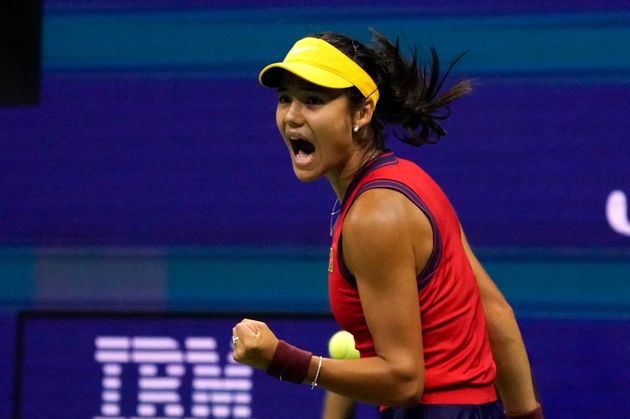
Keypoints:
pixel 487 288
pixel 493 301
pixel 382 233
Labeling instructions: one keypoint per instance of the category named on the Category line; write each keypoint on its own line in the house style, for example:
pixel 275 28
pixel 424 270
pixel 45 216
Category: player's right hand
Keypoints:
pixel 255 345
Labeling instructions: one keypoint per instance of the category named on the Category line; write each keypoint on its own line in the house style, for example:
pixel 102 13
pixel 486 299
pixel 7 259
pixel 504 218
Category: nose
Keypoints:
pixel 294 116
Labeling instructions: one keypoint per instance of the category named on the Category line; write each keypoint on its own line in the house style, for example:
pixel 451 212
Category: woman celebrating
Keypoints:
pixel 402 277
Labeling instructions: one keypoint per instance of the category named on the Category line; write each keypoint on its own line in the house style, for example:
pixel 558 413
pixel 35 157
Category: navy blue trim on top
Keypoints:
pixel 345 272
pixel 427 272
pixel 385 159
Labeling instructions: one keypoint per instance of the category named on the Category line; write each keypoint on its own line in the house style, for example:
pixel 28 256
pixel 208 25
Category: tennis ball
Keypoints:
pixel 341 346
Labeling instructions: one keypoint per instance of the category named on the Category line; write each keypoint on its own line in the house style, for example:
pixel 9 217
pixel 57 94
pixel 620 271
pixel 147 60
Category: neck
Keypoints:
pixel 341 182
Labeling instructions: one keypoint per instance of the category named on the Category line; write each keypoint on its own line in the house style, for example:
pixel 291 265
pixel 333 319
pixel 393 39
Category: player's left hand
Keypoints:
pixel 254 343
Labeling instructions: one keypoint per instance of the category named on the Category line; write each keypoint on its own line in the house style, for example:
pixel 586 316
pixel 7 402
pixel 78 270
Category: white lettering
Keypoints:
pixel 222 384
pixel 112 342
pixel 201 411
pixel 157 356
pixel 112 369
pixel 147 410
pixel 145 342
pixel 148 370
pixel 110 396
pixel 617 212
pixel 201 343
pixel 221 398
pixel 245 398
pixel 158 397
pixel 221 411
pixel 238 371
pixel 111 356
pixel 220 387
pixel 199 357
pixel 175 370
pixel 207 370
pixel 159 383
pixel 242 411
pixel 110 409
pixel 174 410
pixel 296 50
pixel 111 383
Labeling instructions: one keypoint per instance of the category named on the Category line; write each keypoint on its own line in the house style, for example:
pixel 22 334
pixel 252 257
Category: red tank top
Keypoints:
pixel 459 368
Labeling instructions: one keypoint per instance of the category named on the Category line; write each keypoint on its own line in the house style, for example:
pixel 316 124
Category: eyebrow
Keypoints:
pixel 310 88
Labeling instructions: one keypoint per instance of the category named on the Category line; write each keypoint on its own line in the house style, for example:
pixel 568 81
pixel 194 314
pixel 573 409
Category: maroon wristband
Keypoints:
pixel 289 363
pixel 534 414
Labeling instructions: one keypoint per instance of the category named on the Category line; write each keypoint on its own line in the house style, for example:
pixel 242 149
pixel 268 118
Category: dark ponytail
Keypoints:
pixel 410 103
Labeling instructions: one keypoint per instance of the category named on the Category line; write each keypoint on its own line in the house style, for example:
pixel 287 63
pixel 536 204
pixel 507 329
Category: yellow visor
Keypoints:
pixel 318 62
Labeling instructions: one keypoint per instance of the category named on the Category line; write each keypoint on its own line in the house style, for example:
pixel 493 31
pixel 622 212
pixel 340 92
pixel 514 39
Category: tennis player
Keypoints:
pixel 434 333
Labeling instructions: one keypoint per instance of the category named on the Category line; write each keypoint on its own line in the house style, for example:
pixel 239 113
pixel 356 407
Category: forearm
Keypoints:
pixel 337 406
pixel 371 380
pixel 514 378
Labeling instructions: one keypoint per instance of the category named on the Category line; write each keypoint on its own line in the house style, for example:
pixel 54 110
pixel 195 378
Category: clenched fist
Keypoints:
pixel 254 343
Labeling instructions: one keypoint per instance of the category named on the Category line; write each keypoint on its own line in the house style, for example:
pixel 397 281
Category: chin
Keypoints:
pixel 303 176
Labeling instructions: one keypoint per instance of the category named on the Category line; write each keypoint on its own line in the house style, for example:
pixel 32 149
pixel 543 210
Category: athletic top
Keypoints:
pixel 459 368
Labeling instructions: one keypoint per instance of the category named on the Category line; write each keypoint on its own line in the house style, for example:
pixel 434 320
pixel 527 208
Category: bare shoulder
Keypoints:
pixel 377 209
pixel 384 225
pixel 384 212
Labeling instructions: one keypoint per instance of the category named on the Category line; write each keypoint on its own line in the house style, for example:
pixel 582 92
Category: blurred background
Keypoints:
pixel 141 172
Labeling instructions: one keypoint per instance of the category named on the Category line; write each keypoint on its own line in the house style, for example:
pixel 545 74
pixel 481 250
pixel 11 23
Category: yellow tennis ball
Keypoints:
pixel 341 346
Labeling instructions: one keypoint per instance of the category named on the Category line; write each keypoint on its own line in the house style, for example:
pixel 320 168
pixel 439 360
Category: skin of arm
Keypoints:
pixel 514 377
pixel 386 240
pixel 337 406
pixel 382 233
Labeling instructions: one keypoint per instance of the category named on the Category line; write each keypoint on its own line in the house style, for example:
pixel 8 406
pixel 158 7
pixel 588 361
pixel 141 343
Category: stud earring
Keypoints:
pixel 355 128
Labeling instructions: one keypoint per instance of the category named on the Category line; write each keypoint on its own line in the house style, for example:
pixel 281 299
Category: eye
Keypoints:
pixel 314 100
pixel 284 98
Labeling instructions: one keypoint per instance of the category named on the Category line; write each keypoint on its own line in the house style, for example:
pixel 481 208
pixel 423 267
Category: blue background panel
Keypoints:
pixel 161 161
pixel 58 368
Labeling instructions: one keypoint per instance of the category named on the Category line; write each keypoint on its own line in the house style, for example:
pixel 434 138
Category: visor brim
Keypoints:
pixel 271 76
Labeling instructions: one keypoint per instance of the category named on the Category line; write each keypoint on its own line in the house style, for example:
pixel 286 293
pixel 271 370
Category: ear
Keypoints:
pixel 363 116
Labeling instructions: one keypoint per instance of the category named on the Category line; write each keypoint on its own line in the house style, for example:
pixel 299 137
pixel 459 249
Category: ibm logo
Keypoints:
pixel 617 212
pixel 218 389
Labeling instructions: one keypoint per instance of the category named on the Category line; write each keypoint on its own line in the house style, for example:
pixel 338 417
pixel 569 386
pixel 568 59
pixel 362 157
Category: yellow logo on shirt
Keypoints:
pixel 330 260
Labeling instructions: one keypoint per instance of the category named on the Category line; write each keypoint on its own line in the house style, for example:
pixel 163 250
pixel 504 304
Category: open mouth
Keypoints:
pixel 302 148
